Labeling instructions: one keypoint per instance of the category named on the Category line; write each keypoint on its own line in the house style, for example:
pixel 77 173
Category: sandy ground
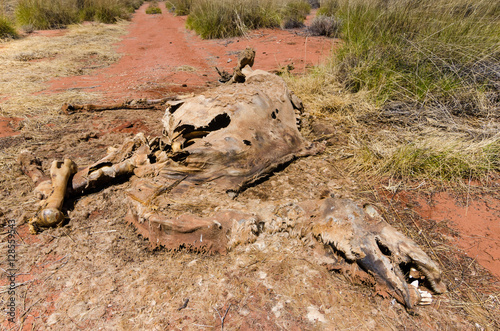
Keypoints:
pixel 160 57
pixel 97 273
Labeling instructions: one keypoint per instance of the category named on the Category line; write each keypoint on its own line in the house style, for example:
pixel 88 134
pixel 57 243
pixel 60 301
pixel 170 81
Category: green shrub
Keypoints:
pixel 180 7
pixel 294 13
pixel 153 10
pixel 427 51
pixel 43 14
pixel 228 18
pixel 7 29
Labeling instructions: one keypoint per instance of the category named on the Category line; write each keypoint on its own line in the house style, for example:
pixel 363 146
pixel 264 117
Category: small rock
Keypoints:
pixel 53 319
pixel 313 315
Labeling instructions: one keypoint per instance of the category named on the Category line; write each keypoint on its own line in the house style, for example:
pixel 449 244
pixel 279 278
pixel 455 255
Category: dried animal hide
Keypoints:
pixel 221 142
pixel 237 133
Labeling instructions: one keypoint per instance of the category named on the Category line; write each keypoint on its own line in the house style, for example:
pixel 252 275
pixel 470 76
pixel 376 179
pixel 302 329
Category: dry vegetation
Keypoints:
pixel 419 83
pixel 153 8
pixel 39 14
pixel 378 120
pixel 29 63
pixel 228 18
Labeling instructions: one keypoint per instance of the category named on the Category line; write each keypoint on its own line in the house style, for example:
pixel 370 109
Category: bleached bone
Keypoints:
pixel 365 237
pixel 119 163
pixel 50 214
pixel 69 109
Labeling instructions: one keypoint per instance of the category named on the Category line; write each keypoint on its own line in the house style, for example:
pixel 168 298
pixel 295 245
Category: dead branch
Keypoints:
pixel 69 109
pixel 222 318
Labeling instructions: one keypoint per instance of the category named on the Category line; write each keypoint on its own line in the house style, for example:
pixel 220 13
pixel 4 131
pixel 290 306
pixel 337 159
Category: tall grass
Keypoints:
pixel 228 18
pixel 42 14
pixel 424 51
pixel 418 85
pixel 105 11
pixel 7 29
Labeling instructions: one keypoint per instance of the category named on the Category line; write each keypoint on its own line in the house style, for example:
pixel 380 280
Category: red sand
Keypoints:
pixel 477 221
pixel 161 57
pixel 8 125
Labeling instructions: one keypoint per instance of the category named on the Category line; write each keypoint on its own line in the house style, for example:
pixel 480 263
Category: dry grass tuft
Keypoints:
pixel 35 60
pixel 323 25
pixel 417 88
pixel 7 30
pixel 396 141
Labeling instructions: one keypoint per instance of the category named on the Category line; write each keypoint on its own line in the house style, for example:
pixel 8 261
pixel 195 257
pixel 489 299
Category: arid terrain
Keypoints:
pixel 96 272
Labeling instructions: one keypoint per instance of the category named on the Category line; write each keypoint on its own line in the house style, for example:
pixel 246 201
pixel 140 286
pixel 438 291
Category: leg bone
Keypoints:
pixel 51 214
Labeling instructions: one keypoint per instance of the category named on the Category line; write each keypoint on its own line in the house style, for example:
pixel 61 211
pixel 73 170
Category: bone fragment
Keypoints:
pixel 245 58
pixel 32 166
pixel 133 104
pixel 51 214
pixel 119 163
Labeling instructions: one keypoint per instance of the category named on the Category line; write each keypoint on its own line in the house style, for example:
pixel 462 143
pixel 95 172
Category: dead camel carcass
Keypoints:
pixel 183 184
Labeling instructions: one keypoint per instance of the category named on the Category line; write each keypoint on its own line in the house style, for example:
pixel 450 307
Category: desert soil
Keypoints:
pixel 97 273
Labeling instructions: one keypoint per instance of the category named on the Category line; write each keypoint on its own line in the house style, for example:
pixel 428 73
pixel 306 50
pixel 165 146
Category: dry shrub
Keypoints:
pixel 153 8
pixel 40 14
pixel 294 13
pixel 46 15
pixel 7 29
pixel 314 3
pixel 325 26
pixel 401 141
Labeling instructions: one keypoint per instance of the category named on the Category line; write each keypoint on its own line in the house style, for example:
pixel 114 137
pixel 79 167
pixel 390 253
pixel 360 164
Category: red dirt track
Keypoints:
pixel 161 57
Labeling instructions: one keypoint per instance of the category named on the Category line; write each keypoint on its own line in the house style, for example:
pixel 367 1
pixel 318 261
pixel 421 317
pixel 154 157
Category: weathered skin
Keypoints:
pixel 217 144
